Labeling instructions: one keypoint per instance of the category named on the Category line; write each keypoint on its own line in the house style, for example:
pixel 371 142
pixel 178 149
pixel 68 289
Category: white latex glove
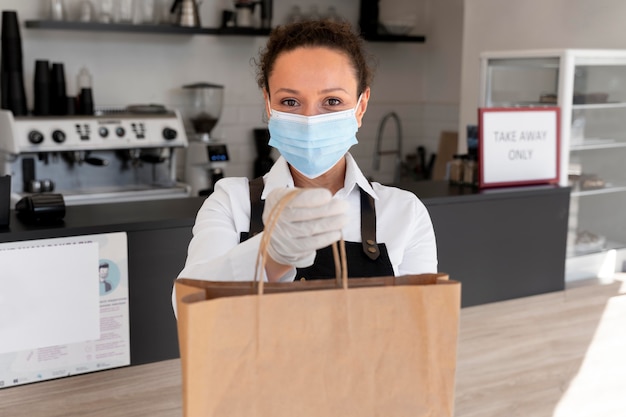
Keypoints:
pixel 311 221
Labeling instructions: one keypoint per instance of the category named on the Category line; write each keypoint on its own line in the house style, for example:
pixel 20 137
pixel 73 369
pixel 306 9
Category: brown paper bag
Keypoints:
pixel 380 347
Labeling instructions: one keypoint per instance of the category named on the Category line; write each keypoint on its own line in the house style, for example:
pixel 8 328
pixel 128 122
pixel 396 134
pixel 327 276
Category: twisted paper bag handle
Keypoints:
pixel 339 250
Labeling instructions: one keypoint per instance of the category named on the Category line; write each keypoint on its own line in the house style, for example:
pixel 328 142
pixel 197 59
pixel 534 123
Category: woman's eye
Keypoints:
pixel 333 102
pixel 289 102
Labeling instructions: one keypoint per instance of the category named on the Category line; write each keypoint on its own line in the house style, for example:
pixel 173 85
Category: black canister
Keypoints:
pixel 58 95
pixel 5 200
pixel 85 101
pixel 12 93
pixel 71 106
pixel 42 88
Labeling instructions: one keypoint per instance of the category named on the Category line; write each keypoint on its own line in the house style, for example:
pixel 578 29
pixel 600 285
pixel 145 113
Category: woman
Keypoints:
pixel 316 86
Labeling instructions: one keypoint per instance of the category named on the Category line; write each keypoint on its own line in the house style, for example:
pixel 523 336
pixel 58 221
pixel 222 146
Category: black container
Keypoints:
pixel 11 42
pixel 5 200
pixel 71 106
pixel 15 99
pixel 85 101
pixel 12 93
pixel 58 95
pixel 266 14
pixel 41 89
pixel 41 208
pixel 368 18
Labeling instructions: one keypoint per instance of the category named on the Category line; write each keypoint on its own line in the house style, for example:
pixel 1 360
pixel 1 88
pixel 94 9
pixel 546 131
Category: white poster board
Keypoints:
pixel 63 307
pixel 519 146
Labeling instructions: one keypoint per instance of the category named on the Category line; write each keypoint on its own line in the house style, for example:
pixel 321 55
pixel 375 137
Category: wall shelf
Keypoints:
pixel 394 38
pixel 157 29
pixel 181 30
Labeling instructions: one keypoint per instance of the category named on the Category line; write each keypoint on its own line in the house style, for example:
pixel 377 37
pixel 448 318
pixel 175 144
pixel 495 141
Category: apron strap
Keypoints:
pixel 368 226
pixel 256 206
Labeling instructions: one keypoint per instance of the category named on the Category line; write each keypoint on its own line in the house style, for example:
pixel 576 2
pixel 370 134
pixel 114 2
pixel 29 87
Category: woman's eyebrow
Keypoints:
pixel 331 90
pixel 324 91
pixel 286 90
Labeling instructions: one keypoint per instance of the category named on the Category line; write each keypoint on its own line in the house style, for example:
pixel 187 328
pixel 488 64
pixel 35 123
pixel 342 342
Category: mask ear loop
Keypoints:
pixel 264 117
pixel 358 102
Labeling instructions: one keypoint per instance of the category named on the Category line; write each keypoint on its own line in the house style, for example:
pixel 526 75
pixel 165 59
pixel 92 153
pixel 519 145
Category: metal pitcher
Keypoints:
pixel 186 12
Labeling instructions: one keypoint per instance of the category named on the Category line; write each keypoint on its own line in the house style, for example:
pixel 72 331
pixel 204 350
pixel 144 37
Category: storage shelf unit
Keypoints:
pixel 590 88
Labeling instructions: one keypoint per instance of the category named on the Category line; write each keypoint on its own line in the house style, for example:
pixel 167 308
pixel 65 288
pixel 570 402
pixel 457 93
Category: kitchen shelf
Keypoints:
pixel 181 30
pixel 522 104
pixel 617 105
pixel 394 38
pixel 143 28
pixel 591 144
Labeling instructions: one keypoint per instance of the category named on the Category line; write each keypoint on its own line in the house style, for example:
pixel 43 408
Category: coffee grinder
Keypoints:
pixel 206 156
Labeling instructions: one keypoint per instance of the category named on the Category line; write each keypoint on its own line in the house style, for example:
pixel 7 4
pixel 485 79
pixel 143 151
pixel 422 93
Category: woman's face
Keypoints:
pixel 314 80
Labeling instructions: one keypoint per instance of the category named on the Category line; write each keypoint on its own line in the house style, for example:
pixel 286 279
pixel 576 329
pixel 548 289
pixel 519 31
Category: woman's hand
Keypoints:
pixel 311 221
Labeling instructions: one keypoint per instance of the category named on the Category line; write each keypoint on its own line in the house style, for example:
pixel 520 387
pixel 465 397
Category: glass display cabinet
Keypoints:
pixel 590 88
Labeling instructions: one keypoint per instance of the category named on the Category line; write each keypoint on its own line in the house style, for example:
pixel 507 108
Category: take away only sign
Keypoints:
pixel 518 146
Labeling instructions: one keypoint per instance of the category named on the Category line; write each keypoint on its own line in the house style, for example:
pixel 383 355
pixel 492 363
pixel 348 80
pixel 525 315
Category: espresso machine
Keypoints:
pixel 206 156
pixel 107 157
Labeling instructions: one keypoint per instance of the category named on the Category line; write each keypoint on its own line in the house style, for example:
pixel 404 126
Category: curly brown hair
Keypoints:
pixel 333 35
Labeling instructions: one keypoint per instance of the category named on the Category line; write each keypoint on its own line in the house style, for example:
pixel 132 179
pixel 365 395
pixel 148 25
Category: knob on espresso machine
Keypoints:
pixel 169 134
pixel 35 137
pixel 58 136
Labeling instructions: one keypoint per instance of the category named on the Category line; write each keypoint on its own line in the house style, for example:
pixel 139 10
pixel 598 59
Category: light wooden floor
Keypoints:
pixel 555 355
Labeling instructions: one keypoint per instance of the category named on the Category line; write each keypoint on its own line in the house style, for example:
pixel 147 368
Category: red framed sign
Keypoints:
pixel 518 146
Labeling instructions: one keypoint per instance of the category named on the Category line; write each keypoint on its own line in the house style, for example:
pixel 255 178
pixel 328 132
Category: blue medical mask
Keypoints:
pixel 313 144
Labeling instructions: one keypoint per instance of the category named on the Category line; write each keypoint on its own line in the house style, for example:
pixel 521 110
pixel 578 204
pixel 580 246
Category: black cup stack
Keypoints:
pixel 12 94
pixel 41 88
pixel 58 94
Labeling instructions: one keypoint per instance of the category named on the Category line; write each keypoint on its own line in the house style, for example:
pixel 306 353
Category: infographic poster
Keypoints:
pixel 63 307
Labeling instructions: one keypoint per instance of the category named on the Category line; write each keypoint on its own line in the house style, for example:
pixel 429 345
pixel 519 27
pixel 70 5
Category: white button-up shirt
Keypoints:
pixel 402 223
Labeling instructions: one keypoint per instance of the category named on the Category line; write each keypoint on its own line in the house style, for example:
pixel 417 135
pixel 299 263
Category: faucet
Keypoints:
pixel 397 152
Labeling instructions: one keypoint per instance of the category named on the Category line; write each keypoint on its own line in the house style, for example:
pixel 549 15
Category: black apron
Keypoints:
pixel 365 259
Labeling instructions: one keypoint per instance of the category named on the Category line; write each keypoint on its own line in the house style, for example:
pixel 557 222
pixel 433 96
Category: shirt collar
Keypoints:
pixel 354 177
pixel 279 176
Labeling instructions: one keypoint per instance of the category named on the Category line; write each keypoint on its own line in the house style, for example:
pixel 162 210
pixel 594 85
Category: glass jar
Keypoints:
pixel 455 170
pixel 470 171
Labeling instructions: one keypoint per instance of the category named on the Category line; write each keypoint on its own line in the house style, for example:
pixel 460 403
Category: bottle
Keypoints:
pixel 85 95
pixel 56 10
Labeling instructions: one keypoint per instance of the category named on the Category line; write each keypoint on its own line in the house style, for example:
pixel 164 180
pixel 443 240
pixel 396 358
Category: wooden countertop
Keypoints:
pixel 558 353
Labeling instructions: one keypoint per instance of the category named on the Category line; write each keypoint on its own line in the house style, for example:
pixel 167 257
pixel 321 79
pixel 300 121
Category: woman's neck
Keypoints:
pixel 333 179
